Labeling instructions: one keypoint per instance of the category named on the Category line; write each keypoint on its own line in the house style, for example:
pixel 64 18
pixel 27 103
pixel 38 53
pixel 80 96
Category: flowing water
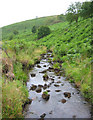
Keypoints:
pixel 59 105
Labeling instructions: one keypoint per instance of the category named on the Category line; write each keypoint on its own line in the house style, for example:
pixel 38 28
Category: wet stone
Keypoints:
pixel 44 66
pixel 38 90
pixel 52 79
pixel 52 55
pixel 43 115
pixel 50 68
pixel 38 66
pixel 43 71
pixel 74 116
pixel 56 85
pixel 43 54
pixel 33 87
pixel 39 100
pixel 56 70
pixel 84 102
pixel 45 86
pixel 62 84
pixel 59 77
pixel 29 101
pixel 40 86
pixel 57 90
pixel 45 77
pixel 45 96
pixel 50 112
pixel 78 92
pixel 63 101
pixel 33 75
pixel 49 85
pixel 58 81
pixel 31 112
pixel 48 90
pixel 37 62
pixel 67 94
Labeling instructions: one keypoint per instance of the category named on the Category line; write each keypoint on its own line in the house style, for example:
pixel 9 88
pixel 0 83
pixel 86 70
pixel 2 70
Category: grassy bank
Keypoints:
pixel 17 61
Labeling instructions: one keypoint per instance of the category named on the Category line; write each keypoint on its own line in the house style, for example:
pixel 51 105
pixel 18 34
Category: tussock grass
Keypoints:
pixel 14 94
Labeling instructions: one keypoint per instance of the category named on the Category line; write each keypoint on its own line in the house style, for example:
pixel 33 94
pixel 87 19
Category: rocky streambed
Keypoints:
pixel 51 95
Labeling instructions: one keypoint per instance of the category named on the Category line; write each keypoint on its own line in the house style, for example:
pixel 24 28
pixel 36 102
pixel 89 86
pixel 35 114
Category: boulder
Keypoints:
pixel 50 68
pixel 45 96
pixel 38 90
pixel 33 75
pixel 59 77
pixel 67 94
pixel 44 66
pixel 62 84
pixel 45 77
pixel 63 101
pixel 57 90
pixel 45 86
pixel 42 116
pixel 48 90
pixel 40 86
pixel 37 62
pixel 33 87
pixel 43 71
pixel 38 66
pixel 58 82
pixel 56 85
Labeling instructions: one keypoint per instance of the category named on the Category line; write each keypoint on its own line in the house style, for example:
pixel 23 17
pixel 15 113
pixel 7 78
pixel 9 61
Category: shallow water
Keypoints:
pixel 74 107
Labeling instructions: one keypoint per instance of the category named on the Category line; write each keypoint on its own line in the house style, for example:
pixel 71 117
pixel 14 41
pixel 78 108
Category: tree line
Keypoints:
pixel 76 10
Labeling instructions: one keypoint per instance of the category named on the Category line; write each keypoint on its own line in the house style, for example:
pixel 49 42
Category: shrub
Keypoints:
pixel 34 29
pixel 15 32
pixel 10 37
pixel 43 31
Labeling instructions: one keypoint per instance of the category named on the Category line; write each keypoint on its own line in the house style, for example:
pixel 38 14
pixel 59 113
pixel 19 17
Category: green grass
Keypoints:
pixel 14 94
pixel 26 26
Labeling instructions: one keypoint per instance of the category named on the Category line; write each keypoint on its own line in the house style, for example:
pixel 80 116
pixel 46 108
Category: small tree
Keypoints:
pixel 43 31
pixel 70 17
pixel 34 29
pixel 87 9
pixel 73 12
pixel 15 32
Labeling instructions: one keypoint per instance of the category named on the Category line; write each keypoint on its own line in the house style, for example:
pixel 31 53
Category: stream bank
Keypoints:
pixel 64 100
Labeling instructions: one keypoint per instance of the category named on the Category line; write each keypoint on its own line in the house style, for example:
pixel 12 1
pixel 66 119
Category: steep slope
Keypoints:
pixel 28 24
pixel 72 45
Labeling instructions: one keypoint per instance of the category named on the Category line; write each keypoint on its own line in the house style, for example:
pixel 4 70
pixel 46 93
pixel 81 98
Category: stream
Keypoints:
pixel 64 101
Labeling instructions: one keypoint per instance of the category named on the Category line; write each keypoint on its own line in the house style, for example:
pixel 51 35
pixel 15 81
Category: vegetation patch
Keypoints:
pixel 14 95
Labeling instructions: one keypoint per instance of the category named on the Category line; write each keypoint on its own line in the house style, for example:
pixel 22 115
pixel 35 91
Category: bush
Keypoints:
pixel 43 31
pixel 10 37
pixel 15 32
pixel 34 29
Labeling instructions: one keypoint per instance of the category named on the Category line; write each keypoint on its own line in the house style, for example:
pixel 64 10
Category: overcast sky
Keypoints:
pixel 12 11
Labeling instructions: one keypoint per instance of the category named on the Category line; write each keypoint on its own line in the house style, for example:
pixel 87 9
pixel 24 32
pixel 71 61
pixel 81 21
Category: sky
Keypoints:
pixel 12 11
